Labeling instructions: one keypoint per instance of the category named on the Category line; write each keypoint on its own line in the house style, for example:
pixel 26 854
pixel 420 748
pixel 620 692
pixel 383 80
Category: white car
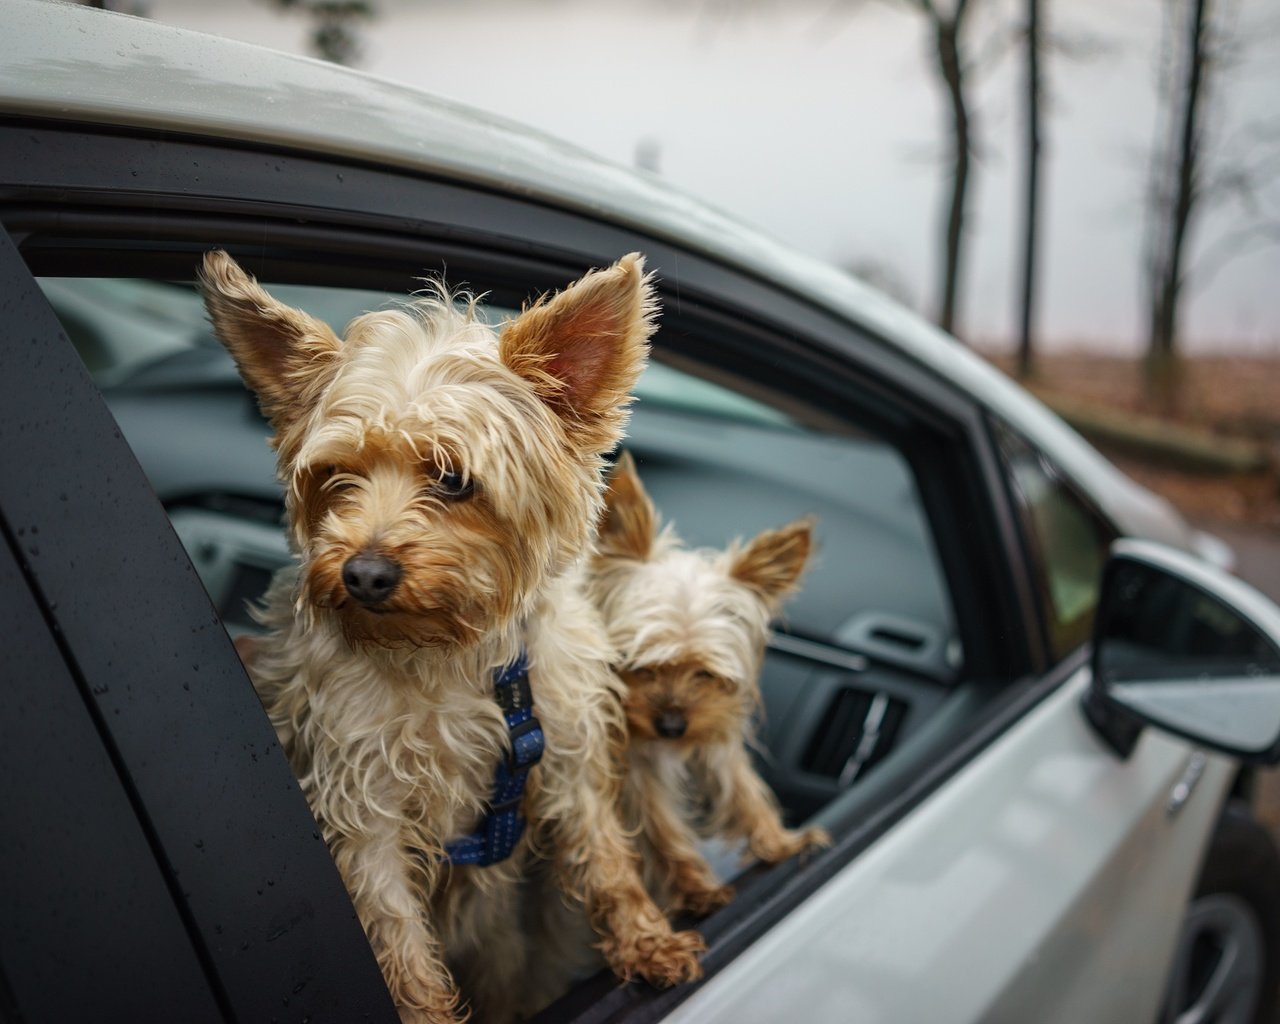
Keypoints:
pixel 1012 688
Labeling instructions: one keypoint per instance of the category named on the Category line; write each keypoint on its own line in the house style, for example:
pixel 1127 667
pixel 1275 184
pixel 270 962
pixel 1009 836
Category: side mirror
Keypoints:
pixel 1181 645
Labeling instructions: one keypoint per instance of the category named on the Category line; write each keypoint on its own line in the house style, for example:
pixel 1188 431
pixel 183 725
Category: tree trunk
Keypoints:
pixel 1162 347
pixel 1031 210
pixel 947 36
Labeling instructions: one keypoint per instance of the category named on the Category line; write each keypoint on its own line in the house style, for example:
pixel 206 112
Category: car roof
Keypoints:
pixel 71 63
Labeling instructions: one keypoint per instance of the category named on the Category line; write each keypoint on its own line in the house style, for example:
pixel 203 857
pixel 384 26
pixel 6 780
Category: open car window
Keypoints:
pixel 719 461
pixel 866 673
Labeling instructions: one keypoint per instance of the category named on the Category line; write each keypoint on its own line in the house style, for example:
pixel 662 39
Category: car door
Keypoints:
pixel 1045 881
pixel 986 843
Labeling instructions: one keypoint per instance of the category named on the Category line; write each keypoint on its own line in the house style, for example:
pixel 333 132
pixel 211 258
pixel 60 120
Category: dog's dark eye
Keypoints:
pixel 335 478
pixel 454 486
pixel 644 675
pixel 705 677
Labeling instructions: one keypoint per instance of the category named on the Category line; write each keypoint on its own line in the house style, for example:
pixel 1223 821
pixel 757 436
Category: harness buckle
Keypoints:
pixel 514 694
pixel 525 755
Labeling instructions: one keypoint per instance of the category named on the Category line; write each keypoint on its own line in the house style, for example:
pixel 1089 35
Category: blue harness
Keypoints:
pixel 503 826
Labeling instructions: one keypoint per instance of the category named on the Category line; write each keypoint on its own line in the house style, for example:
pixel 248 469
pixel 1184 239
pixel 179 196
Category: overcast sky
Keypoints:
pixel 820 121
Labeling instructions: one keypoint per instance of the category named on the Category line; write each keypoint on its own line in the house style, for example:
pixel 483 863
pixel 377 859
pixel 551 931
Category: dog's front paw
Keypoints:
pixel 701 901
pixel 657 954
pixel 671 959
pixel 778 846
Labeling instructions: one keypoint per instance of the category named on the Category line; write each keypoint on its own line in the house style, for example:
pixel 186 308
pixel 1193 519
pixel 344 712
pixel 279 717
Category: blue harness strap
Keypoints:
pixel 503 825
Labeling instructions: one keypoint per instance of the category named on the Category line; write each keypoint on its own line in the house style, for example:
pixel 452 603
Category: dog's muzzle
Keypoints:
pixel 370 578
pixel 670 725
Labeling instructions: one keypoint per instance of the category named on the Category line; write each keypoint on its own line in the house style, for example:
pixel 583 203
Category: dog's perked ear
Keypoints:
pixel 583 350
pixel 772 562
pixel 630 522
pixel 286 356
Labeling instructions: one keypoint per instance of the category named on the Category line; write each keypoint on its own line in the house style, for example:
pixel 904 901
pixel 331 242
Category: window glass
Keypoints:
pixel 1068 537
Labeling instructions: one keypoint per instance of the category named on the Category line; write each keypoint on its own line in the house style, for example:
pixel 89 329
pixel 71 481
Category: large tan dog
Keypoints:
pixel 443 483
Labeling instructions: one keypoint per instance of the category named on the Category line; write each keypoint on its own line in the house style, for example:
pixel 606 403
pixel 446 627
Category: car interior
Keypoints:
pixel 864 658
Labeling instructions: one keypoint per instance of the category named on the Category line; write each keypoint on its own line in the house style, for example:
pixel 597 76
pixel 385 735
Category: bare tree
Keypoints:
pixel 1175 188
pixel 954 64
pixel 1193 168
pixel 334 34
pixel 1031 201
pixel 946 28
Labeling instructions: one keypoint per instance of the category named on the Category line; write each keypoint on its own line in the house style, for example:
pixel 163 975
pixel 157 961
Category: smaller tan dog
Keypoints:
pixel 690 627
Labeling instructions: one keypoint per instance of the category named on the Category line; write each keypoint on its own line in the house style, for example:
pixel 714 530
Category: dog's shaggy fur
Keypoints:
pixel 690 628
pixel 466 463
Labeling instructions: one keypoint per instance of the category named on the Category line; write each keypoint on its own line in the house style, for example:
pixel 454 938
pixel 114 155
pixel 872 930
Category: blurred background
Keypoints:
pixel 1088 192
pixel 1085 192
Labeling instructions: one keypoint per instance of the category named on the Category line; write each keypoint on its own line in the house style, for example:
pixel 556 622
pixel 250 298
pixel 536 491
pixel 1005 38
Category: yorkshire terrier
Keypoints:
pixel 443 481
pixel 690 628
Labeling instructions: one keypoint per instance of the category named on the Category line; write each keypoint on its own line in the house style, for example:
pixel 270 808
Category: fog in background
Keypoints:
pixel 820 121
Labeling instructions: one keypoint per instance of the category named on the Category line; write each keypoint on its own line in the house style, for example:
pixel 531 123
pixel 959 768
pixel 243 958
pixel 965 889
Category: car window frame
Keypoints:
pixel 276 200
pixel 80 515
pixel 727 309
pixel 1032 544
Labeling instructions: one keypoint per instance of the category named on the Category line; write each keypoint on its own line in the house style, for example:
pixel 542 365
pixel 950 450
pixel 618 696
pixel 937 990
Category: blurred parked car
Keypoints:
pixel 1011 688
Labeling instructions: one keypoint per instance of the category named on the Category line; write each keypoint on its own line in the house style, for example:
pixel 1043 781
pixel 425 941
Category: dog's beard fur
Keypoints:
pixel 469 460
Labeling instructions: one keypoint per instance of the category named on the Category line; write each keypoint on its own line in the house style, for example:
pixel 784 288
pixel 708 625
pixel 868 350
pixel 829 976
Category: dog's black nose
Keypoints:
pixel 670 724
pixel 370 578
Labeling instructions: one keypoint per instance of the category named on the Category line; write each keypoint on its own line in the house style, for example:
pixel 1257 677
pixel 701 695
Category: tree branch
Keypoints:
pixel 1229 247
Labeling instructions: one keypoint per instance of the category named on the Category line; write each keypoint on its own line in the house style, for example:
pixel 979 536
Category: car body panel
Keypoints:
pixel 1024 872
pixel 152 76
pixel 1024 889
